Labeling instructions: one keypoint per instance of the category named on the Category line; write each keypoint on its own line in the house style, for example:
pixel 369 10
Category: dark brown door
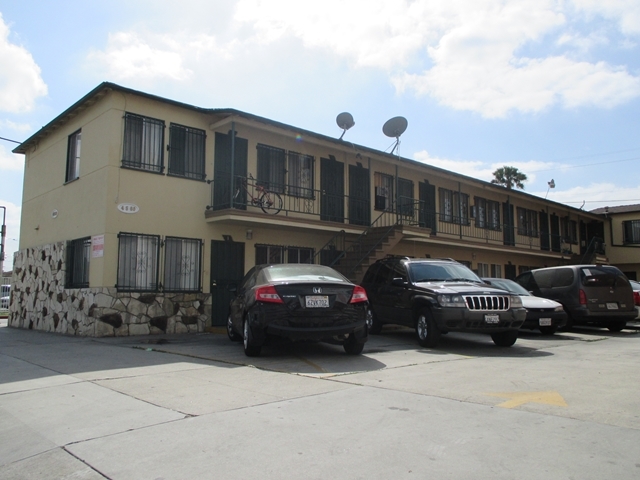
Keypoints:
pixel 227 269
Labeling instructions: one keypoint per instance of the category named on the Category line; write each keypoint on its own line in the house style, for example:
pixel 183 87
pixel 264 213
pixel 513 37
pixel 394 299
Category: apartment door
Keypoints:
pixel 359 196
pixel 227 269
pixel 509 234
pixel 544 231
pixel 555 233
pixel 427 193
pixel 222 170
pixel 332 190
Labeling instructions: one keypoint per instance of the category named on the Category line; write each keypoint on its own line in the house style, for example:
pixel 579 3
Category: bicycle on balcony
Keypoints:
pixel 270 202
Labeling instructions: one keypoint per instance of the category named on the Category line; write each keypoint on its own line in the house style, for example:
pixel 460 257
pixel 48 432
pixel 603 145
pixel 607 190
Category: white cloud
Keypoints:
pixel 595 195
pixel 129 56
pixel 486 56
pixel 625 12
pixel 10 161
pixel 16 127
pixel 20 80
pixel 484 171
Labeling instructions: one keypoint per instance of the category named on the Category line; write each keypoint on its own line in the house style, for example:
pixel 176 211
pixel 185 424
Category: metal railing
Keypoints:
pixel 301 202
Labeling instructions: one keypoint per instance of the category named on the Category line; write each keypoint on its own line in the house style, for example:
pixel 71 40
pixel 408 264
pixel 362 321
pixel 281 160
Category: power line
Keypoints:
pixel 9 140
pixel 584 165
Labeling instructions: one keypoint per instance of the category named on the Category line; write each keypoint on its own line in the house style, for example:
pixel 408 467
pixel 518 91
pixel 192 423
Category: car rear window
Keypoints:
pixel 557 277
pixel 301 272
pixel 602 277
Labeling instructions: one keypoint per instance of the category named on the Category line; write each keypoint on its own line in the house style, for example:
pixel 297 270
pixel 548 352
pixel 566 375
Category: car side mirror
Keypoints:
pixel 398 282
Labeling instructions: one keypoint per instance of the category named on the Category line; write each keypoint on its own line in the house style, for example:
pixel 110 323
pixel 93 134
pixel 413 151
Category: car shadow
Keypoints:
pixel 466 344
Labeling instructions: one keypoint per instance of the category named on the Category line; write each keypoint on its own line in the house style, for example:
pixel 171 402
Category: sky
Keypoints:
pixel 549 87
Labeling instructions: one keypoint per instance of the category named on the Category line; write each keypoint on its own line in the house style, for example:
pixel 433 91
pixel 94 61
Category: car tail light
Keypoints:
pixel 636 298
pixel 268 294
pixel 583 298
pixel 359 295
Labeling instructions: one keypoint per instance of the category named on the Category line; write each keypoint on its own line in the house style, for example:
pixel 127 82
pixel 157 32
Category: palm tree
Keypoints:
pixel 509 177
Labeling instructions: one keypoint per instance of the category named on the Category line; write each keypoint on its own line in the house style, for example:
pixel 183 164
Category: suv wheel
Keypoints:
pixel 426 329
pixel 505 339
pixel 373 324
pixel 352 346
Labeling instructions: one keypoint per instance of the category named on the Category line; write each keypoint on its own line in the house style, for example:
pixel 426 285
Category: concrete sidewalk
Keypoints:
pixel 191 406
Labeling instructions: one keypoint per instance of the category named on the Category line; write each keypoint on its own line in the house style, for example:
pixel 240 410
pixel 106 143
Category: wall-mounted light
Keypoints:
pixel 249 234
pixel 551 184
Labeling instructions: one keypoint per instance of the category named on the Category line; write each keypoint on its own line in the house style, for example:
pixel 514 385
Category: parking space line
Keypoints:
pixel 520 398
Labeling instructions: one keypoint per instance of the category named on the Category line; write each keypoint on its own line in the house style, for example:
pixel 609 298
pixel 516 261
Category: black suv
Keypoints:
pixel 438 296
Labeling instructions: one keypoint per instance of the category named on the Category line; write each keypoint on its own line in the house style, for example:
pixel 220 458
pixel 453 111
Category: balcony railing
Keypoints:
pixel 313 204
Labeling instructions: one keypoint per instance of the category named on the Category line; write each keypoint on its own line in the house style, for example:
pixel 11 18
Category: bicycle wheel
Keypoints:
pixel 270 202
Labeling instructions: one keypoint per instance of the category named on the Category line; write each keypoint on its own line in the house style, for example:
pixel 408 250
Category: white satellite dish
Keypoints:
pixel 394 127
pixel 345 122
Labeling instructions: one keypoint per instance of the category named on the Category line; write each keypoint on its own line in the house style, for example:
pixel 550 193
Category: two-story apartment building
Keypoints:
pixel 139 212
pixel 622 237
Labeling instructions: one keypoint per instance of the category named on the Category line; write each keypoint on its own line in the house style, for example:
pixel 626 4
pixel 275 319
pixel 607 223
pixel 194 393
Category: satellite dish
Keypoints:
pixel 345 122
pixel 394 127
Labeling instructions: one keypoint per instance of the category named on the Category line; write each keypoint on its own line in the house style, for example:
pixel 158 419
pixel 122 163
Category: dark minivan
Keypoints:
pixel 599 295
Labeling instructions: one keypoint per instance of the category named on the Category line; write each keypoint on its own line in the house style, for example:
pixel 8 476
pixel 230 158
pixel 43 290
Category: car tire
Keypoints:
pixel 617 326
pixel 426 329
pixel 249 349
pixel 505 339
pixel 373 323
pixel 548 330
pixel 231 333
pixel 352 346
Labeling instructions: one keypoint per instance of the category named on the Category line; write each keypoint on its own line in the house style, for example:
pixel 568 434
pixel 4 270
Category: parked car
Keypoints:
pixel 598 295
pixel 542 313
pixel 297 302
pixel 437 296
pixel 636 296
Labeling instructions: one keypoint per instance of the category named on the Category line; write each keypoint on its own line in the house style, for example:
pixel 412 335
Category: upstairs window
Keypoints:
pixel 77 263
pixel 186 152
pixel 569 229
pixel 384 191
pixel 300 175
pixel 271 168
pixel 487 214
pixel 405 197
pixel 143 142
pixel 182 264
pixel 73 156
pixel 631 229
pixel 527 222
pixel 454 207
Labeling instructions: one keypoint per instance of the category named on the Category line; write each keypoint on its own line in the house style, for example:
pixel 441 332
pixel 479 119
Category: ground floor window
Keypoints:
pixel 78 258
pixel 283 254
pixel 140 268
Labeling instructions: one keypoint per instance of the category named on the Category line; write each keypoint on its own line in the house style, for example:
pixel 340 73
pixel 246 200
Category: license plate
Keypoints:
pixel 492 318
pixel 317 301
pixel 612 306
pixel 545 322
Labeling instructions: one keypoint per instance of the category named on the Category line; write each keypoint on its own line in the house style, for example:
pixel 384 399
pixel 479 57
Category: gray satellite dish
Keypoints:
pixel 345 122
pixel 394 127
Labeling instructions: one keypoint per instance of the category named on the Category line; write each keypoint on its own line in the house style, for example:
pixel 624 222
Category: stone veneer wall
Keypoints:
pixel 39 301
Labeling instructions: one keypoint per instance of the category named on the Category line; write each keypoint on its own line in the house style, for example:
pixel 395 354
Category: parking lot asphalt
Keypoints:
pixel 194 406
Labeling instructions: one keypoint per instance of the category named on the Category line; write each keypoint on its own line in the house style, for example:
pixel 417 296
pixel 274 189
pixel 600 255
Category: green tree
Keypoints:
pixel 509 177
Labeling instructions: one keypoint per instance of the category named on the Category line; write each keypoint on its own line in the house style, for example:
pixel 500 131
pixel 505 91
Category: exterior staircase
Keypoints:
pixel 375 243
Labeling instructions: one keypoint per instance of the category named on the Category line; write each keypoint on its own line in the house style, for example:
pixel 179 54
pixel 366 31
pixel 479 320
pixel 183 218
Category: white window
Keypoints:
pixel 73 156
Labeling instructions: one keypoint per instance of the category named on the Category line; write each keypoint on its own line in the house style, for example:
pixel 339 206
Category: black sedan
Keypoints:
pixel 297 302
pixel 542 313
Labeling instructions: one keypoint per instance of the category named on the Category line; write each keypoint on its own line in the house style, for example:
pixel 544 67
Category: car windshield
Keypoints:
pixel 302 273
pixel 442 272
pixel 508 285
